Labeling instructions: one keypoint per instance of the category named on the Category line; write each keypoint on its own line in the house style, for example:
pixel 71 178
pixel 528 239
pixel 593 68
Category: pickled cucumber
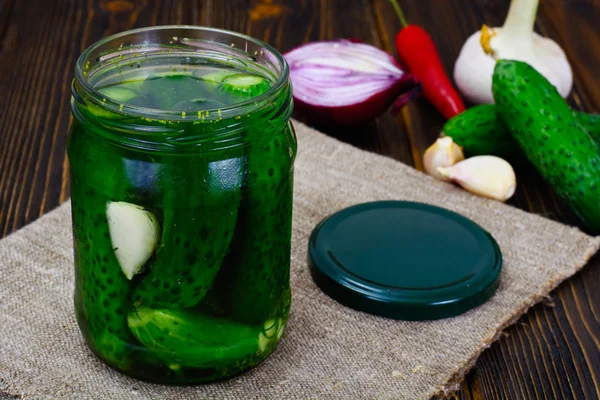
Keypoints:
pixel 262 239
pixel 101 289
pixel 219 76
pixel 186 339
pixel 202 196
pixel 244 85
pixel 131 93
pixel 119 94
pixel 158 201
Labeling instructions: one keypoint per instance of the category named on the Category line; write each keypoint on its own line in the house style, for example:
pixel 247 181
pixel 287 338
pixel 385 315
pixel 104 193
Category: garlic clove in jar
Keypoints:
pixel 487 176
pixel 443 153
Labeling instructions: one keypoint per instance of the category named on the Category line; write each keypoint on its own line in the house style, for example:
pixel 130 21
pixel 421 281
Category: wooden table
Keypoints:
pixel 553 352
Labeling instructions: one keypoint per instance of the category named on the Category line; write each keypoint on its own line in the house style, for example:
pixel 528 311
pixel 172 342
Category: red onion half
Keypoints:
pixel 345 82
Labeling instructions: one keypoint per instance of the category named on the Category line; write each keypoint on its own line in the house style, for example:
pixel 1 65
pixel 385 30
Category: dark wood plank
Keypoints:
pixel 553 352
pixel 44 54
pixel 579 42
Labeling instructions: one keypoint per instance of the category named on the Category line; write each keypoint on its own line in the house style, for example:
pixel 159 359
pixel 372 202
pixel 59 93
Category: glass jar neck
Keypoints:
pixel 157 129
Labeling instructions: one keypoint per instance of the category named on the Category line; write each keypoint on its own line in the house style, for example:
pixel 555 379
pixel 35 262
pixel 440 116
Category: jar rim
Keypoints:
pixel 230 110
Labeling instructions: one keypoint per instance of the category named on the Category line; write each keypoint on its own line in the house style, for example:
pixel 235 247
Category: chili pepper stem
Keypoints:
pixel 399 12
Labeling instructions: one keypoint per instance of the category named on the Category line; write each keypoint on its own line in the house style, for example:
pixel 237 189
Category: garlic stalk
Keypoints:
pixel 487 176
pixel 443 153
pixel 515 40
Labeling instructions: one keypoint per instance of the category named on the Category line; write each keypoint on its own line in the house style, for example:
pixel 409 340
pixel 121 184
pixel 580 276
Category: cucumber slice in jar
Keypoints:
pixel 118 93
pixel 245 85
pixel 134 234
pixel 239 84
pixel 128 93
pixel 218 76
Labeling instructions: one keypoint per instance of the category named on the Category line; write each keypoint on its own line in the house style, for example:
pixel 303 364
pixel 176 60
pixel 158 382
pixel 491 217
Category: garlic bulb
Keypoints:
pixel 487 176
pixel 443 153
pixel 516 40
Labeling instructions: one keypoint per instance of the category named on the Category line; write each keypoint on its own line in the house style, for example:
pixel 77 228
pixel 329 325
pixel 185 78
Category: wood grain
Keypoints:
pixel 551 353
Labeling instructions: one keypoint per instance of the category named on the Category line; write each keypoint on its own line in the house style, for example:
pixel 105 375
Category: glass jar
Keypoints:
pixel 181 154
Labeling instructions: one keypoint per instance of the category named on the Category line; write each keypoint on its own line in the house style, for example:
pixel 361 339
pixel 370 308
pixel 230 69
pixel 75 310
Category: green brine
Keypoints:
pixel 181 155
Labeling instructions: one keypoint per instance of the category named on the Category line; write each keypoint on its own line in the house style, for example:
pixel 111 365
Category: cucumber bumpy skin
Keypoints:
pixel 201 200
pixel 481 131
pixel 101 288
pixel 261 278
pixel 550 136
pixel 254 283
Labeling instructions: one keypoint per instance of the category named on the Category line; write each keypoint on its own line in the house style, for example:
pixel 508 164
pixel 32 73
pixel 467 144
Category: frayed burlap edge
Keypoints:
pixel 458 376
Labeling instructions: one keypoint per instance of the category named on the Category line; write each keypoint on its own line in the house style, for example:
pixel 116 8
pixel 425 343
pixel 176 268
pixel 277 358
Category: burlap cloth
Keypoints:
pixel 329 351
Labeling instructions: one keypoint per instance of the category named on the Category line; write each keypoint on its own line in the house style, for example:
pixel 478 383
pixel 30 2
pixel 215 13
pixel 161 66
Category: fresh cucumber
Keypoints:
pixel 201 200
pixel 550 136
pixel 481 131
pixel 591 123
pixel 187 339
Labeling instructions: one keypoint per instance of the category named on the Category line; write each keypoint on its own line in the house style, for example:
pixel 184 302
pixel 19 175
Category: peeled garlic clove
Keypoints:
pixel 443 153
pixel 487 176
pixel 134 233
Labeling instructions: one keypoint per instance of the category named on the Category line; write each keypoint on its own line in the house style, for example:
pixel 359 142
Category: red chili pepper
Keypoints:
pixel 418 53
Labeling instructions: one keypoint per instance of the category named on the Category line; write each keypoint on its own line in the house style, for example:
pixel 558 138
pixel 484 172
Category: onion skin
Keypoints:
pixel 358 113
pixel 365 109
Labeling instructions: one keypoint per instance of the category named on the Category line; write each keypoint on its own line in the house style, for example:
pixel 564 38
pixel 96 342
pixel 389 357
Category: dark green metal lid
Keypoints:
pixel 404 260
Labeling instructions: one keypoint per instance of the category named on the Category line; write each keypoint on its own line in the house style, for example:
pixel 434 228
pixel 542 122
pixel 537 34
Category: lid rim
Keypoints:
pixel 363 294
pixel 406 311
